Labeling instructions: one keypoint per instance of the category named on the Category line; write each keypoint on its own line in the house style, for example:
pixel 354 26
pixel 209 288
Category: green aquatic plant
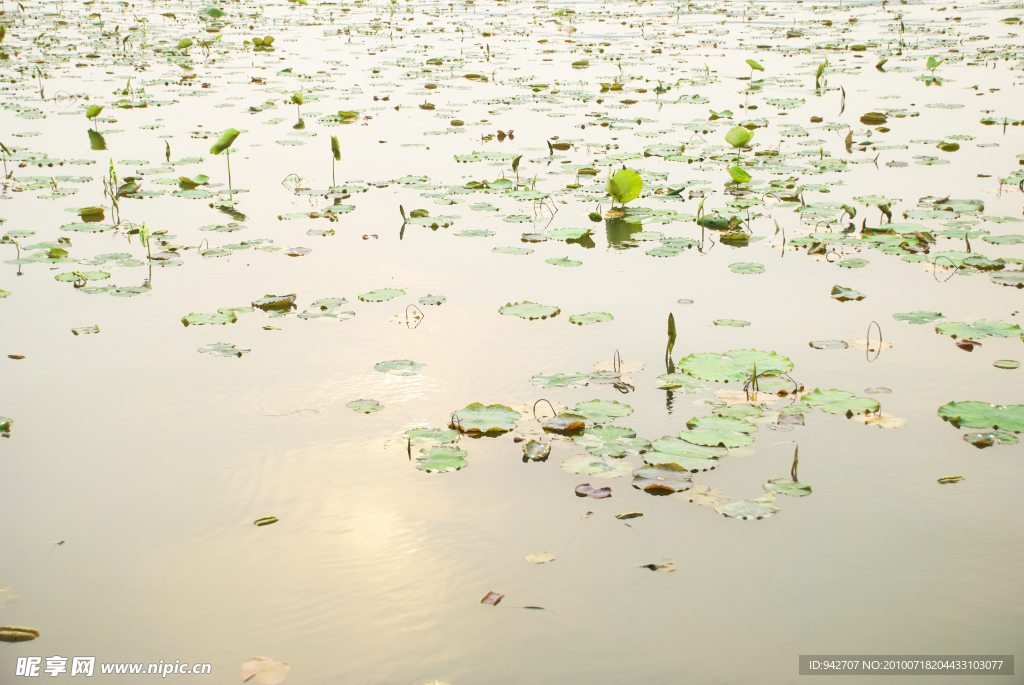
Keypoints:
pixel 739 137
pixel 336 157
pixel 624 186
pixel 223 144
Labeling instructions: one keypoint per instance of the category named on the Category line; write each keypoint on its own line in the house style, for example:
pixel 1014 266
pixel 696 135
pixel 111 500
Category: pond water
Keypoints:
pixel 879 228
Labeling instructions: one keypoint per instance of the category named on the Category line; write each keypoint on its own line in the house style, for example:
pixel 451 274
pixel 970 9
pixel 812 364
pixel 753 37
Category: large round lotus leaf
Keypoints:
pixel 202 319
pixel 979 329
pixel 918 317
pixel 739 411
pixel 560 380
pixel 590 317
pixel 787 487
pixel 479 418
pixel 365 406
pixel 529 310
pixel 603 411
pixel 624 186
pixel 844 294
pixel 662 479
pixel 440 435
pixel 721 423
pixel 381 295
pixel 399 367
pixel 598 467
pixel 990 438
pixel 441 458
pixel 973 414
pixel 747 509
pixel 713 438
pixel 611 441
pixel 84 275
pixel 1004 239
pixel 839 402
pixel 680 381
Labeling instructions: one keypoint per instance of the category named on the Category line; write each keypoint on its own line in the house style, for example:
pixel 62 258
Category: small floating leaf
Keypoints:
pixel 541 558
pixel 365 406
pixel 529 310
pixel 266 520
pixel 399 367
pixel 441 459
pixel 265 671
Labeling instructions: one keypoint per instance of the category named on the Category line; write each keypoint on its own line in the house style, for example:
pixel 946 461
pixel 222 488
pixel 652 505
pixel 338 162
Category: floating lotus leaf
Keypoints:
pixel 705 496
pixel 568 422
pixel 279 302
pixel 680 381
pixel 981 440
pixel 588 490
pixel 611 441
pixel 603 411
pixel 734 323
pixel 529 310
pixel 590 317
pixel 1014 279
pixel 662 479
pixel 746 268
pixel 845 294
pixel 433 300
pixel 1009 364
pixel 918 317
pixel 734 365
pixel 541 558
pixel 512 250
pixel 563 261
pixel 787 487
pixel 839 402
pixel 441 435
pixel 979 329
pixel 560 380
pixel 224 350
pixel 203 319
pixel 536 451
pixel 1004 239
pixel 747 509
pixel 381 295
pixel 479 418
pixel 721 423
pixel 598 467
pixel 441 458
pixel 568 233
pixel 972 414
pixel 365 406
pixel 853 263
pixel 399 367
pixel 828 344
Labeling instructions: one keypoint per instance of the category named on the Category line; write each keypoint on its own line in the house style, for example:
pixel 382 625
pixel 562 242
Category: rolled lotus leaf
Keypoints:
pixel 184 43
pixel 93 111
pixel 298 99
pixel 268 41
pixel 17 634
pixel 336 148
pixel 738 136
pixel 224 142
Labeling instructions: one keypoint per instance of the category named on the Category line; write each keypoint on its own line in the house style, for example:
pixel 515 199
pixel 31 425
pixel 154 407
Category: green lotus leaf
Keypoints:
pixel 440 435
pixel 567 422
pixel 1014 279
pixel 624 186
pixel 536 451
pixel 988 439
pixel 755 65
pixel 746 268
pixel 275 302
pixel 739 174
pixel 680 381
pixel 512 250
pixel 563 261
pixel 598 467
pixel 662 479
pixel 787 487
pixel 568 233
pixel 381 295
pixel 224 350
pixel 731 323
pixel 739 136
pixel 839 402
pixel 399 367
pixel 529 310
pixel 844 294
pixel 721 423
pixel 5 426
pixel 365 406
pixel 972 414
pixel 980 329
pixel 590 317
pixel 225 141
pixel 441 458
pixel 734 365
pixel 433 300
pixel 611 441
pixel 747 509
pixel 480 418
pixel 1004 239
pixel 203 319
pixel 853 263
pixel 93 111
pixel 918 317
pixel 83 275
pixel 184 43
pixel 716 438
pixel 560 380
pixel 603 411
